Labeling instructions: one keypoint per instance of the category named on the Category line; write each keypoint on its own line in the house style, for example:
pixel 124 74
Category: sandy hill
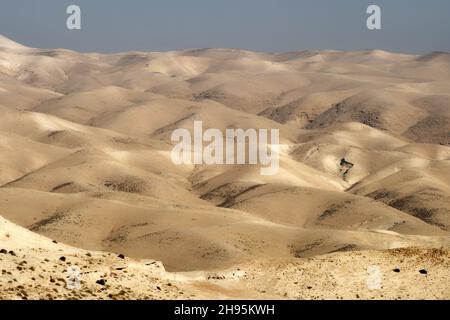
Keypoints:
pixel 6 43
pixel 364 164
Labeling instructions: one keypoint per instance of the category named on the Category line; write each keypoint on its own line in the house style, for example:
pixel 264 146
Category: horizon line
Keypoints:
pixel 25 46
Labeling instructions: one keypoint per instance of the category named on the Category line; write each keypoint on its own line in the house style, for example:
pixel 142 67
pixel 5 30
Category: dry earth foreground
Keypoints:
pixel 86 178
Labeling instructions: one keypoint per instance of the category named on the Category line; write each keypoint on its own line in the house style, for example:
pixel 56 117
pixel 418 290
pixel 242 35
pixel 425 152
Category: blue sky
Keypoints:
pixel 261 25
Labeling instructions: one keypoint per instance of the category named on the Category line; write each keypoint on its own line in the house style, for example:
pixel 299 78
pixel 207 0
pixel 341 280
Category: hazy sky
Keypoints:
pixel 417 26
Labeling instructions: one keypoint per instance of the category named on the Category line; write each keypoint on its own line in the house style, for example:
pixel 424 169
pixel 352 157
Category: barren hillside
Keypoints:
pixel 364 165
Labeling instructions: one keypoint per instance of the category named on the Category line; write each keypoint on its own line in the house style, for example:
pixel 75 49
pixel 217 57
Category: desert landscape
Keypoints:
pixel 86 177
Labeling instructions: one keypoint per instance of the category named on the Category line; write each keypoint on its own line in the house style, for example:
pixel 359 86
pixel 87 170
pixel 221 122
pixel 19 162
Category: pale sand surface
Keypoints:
pixel 364 169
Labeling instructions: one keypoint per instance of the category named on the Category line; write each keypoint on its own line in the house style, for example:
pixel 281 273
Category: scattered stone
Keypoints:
pixel 4 251
pixel 62 259
pixel 396 270
pixel 12 253
pixel 423 271
pixel 121 256
pixel 101 282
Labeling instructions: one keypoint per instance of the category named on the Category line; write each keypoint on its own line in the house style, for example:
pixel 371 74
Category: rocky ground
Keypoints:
pixel 44 269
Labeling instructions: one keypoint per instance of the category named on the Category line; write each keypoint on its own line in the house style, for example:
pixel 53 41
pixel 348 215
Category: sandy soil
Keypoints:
pixel 85 161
